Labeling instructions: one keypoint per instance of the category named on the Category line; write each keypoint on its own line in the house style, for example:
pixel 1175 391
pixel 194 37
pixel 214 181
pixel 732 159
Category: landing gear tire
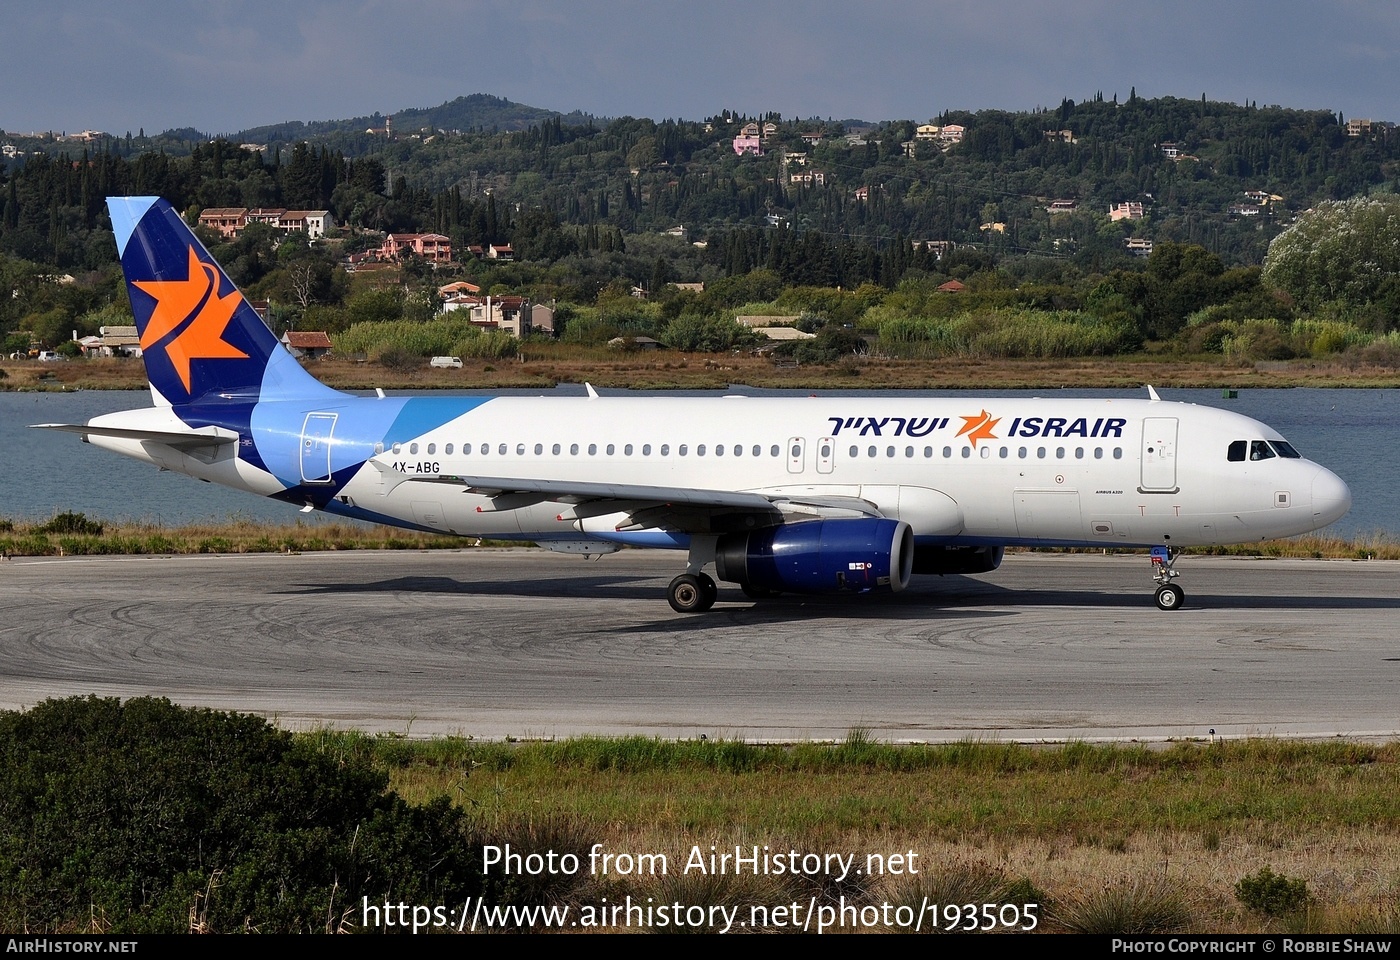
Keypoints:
pixel 758 593
pixel 711 589
pixel 688 593
pixel 1170 597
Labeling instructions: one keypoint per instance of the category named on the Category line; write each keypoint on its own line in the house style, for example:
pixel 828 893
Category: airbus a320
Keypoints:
pixel 811 495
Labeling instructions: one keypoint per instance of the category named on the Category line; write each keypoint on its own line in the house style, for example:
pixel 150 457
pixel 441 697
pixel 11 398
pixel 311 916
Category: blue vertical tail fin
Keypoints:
pixel 199 337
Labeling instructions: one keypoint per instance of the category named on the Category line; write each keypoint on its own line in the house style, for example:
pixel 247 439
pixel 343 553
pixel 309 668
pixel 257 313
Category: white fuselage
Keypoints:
pixel 959 471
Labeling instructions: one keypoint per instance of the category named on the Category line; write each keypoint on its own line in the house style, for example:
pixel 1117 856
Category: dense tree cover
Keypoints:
pixel 1345 252
pixel 583 204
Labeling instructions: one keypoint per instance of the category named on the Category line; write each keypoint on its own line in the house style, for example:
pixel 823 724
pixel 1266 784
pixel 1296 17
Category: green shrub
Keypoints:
pixel 1272 894
pixel 154 818
pixel 71 522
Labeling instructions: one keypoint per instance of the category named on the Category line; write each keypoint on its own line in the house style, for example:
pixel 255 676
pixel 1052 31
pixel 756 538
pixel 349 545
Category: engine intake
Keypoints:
pixel 820 556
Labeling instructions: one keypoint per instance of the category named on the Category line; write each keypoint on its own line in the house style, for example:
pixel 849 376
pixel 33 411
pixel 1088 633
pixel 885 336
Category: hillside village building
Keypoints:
pixel 433 247
pixel 230 221
pixel 1125 211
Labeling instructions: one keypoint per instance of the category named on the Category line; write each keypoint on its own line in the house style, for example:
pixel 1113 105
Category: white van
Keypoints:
pixel 446 362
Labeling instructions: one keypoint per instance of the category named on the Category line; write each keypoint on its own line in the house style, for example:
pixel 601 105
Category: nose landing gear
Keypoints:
pixel 1169 595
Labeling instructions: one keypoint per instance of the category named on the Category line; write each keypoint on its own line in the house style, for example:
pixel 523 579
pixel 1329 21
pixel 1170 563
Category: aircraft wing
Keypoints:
pixel 680 508
pixel 184 440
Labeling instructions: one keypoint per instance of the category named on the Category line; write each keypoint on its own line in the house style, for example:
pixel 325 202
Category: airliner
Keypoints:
pixel 778 495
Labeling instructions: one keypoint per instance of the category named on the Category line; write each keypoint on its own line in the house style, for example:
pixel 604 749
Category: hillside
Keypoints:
pixel 1093 228
pixel 479 111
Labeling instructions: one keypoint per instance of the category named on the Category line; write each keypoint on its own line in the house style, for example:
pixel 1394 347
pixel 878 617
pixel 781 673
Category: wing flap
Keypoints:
pixel 582 491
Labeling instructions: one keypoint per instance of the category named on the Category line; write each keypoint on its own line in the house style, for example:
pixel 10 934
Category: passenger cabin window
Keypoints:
pixel 1237 450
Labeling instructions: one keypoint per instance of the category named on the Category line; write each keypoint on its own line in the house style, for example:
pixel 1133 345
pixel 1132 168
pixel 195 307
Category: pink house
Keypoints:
pixel 750 146
pixel 433 247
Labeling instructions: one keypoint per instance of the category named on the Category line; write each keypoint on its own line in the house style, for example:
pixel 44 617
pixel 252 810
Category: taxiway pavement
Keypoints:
pixel 523 643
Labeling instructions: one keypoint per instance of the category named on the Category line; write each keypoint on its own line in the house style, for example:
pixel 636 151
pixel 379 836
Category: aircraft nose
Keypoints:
pixel 1331 498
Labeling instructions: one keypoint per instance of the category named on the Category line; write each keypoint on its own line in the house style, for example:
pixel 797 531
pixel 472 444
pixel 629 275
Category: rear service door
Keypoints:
pixel 316 447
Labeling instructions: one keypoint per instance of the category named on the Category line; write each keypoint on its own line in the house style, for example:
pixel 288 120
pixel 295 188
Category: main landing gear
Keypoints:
pixel 695 591
pixel 1169 595
pixel 692 593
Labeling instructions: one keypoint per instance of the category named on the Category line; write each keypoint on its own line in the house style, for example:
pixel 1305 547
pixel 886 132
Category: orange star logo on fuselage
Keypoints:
pixel 979 427
pixel 192 315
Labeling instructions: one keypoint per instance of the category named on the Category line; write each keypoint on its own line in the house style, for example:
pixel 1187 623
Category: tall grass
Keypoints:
pixel 441 337
pixel 1107 839
pixel 1010 333
pixel 19 539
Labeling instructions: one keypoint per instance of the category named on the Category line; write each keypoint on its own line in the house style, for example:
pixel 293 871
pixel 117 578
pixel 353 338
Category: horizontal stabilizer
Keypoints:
pixel 177 439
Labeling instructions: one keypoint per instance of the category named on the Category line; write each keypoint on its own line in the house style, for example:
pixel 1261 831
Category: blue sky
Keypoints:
pixel 224 65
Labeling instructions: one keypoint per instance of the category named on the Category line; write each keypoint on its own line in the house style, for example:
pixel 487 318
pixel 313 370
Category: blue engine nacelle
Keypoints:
pixel 820 556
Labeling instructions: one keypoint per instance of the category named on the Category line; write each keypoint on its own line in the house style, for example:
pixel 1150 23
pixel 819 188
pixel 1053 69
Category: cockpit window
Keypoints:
pixel 1285 449
pixel 1259 450
pixel 1237 450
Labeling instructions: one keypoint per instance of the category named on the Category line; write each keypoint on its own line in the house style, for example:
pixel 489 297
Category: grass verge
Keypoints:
pixel 75 534
pixel 1106 839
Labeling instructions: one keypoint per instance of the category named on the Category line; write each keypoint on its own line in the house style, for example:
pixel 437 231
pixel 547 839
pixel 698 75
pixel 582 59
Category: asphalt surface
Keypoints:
pixel 524 643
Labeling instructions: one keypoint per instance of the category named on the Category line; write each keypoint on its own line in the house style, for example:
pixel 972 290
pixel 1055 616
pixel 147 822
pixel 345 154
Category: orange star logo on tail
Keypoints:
pixel 979 427
pixel 193 311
